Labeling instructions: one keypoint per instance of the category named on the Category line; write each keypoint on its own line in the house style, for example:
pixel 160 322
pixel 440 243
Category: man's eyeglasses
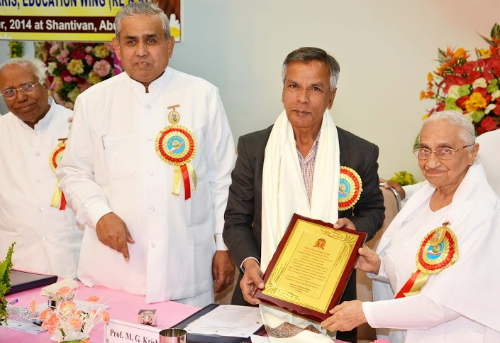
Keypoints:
pixel 441 153
pixel 27 88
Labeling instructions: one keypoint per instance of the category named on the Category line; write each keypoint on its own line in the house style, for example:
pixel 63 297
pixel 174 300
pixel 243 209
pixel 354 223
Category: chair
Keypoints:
pixel 392 203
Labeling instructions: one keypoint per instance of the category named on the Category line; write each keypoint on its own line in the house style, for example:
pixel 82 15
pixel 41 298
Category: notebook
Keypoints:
pixel 23 281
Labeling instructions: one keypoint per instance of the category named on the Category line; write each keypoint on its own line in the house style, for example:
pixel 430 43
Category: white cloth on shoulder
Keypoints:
pixel 284 193
pixel 470 286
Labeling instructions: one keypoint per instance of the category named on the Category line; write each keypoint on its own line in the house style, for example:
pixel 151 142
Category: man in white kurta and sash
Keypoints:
pixel 440 254
pixel 147 170
pixel 296 166
pixel 33 210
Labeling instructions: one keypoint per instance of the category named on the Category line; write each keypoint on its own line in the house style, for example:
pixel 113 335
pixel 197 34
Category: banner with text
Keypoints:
pixel 71 20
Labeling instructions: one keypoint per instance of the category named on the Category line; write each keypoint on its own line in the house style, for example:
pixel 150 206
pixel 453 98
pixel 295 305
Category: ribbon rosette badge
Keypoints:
pixel 58 199
pixel 349 188
pixel 176 145
pixel 438 251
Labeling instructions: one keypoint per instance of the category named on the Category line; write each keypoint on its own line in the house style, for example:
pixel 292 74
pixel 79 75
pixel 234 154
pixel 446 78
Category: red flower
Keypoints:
pixel 440 106
pixel 496 110
pixel 488 76
pixel 469 66
pixel 451 80
pixel 473 76
pixel 78 54
pixel 461 101
pixel 488 124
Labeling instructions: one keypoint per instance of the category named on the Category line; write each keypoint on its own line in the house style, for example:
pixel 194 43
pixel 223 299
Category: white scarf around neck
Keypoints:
pixel 284 193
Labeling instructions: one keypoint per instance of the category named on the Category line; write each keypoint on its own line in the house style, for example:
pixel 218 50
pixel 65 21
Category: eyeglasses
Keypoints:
pixel 27 88
pixel 441 153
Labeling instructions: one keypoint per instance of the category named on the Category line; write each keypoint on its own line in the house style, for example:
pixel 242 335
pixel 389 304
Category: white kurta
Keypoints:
pixel 111 165
pixel 489 156
pixel 48 240
pixel 460 304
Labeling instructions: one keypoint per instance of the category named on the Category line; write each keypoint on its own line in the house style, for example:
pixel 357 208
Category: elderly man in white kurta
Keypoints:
pixel 32 208
pixel 148 169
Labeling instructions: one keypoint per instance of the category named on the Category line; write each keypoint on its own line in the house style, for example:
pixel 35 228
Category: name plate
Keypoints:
pixel 310 268
pixel 117 331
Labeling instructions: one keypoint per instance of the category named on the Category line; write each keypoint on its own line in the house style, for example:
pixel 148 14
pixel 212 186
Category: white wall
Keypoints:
pixel 385 49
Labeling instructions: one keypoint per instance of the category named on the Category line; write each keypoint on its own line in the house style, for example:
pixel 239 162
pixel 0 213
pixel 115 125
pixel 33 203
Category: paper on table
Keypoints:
pixel 23 327
pixel 228 320
pixel 52 289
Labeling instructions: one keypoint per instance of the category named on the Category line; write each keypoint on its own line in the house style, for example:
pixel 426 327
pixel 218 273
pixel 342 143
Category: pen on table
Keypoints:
pixel 13 301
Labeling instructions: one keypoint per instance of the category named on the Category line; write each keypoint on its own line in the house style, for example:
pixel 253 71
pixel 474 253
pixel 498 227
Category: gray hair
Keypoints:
pixel 39 68
pixel 134 9
pixel 465 127
pixel 308 54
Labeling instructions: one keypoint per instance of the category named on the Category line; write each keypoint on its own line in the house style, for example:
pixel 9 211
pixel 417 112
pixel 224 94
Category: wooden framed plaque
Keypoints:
pixel 310 268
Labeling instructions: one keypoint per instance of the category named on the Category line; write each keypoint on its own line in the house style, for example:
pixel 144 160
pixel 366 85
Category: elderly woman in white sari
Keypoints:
pixel 440 255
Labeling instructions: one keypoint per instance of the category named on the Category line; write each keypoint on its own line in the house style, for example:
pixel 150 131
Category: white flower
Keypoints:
pixel 489 108
pixel 51 67
pixel 453 92
pixel 481 82
pixel 495 94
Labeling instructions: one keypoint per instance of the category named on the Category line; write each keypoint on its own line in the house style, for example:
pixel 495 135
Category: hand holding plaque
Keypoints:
pixel 310 268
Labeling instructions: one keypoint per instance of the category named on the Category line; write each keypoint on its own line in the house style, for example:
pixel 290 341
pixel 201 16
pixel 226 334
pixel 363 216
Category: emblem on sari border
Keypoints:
pixel 350 188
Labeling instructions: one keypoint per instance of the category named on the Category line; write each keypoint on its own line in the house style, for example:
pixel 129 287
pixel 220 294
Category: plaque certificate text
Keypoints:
pixel 311 267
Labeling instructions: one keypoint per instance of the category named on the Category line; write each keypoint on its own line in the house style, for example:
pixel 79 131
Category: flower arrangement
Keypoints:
pixel 74 67
pixel 15 49
pixel 403 178
pixel 5 268
pixel 468 86
pixel 66 322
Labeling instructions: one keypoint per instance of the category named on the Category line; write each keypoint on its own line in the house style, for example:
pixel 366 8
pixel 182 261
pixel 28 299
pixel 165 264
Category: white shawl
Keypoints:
pixel 471 286
pixel 284 193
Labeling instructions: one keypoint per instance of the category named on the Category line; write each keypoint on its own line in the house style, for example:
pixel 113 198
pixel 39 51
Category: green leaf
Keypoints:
pixel 477 116
pixel 5 267
pixel 450 105
pixel 464 90
pixel 492 88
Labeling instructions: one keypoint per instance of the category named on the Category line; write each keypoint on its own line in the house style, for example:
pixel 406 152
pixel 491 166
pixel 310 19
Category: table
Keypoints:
pixel 123 306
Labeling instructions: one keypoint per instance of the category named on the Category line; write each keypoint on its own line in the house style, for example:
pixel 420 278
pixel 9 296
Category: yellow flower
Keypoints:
pixel 75 67
pixel 41 54
pixel 425 117
pixel 101 51
pixel 73 94
pixel 93 78
pixel 459 53
pixel 485 53
pixel 475 102
pixel 430 78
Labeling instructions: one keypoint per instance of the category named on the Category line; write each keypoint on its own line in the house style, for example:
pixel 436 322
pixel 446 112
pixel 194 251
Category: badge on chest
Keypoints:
pixel 176 145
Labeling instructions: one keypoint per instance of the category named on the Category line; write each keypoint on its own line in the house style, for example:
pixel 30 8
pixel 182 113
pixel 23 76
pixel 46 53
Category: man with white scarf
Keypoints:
pixel 301 157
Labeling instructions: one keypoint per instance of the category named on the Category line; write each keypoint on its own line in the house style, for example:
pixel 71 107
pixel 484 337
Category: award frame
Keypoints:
pixel 291 258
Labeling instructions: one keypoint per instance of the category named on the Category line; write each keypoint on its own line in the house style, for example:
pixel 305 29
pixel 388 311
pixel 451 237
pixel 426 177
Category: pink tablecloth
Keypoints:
pixel 123 306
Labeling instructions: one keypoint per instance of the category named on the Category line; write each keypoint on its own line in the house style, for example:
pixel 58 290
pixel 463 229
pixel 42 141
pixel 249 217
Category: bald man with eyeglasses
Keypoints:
pixel 33 211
